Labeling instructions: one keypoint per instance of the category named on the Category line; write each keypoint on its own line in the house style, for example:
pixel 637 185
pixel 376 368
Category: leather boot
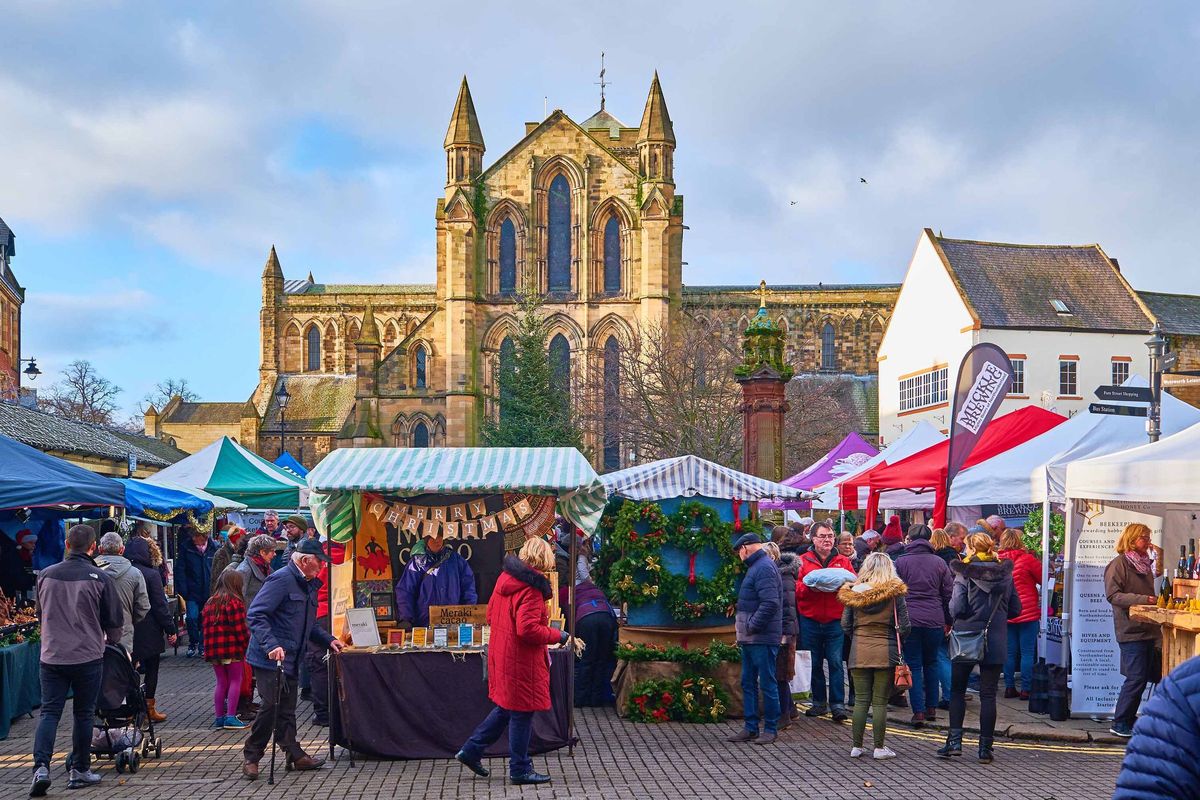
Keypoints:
pixel 153 712
pixel 985 749
pixel 953 745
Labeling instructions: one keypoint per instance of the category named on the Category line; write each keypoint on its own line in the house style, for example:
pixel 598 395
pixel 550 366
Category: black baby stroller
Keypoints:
pixel 124 731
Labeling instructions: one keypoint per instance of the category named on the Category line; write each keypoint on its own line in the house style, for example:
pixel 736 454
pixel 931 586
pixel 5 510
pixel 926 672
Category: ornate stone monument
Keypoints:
pixel 763 376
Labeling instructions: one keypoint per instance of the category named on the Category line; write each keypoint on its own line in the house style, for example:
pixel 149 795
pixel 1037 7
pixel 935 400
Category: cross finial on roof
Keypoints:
pixel 602 83
pixel 762 293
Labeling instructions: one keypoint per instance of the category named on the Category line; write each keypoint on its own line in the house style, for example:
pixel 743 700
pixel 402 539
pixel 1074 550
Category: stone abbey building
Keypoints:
pixel 590 214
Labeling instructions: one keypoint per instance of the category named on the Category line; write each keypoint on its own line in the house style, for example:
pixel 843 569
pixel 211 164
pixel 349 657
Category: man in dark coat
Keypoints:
pixel 282 620
pixel 759 625
pixel 193 575
pixel 156 629
pixel 930 584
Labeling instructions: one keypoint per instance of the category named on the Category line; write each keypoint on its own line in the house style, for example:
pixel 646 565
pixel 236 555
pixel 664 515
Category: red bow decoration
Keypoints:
pixel 692 569
pixel 737 517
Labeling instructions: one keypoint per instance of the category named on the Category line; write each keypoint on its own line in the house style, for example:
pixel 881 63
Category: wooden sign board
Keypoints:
pixel 457 615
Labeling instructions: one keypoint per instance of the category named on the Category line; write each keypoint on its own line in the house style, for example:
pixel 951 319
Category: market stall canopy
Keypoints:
pixel 287 461
pixel 227 469
pixel 847 457
pixel 1037 470
pixel 31 479
pixel 1164 472
pixel 219 503
pixel 562 472
pixel 852 487
pixel 161 504
pixel 926 470
pixel 688 476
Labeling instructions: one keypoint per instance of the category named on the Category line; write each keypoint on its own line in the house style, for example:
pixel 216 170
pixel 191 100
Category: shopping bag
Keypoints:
pixel 802 683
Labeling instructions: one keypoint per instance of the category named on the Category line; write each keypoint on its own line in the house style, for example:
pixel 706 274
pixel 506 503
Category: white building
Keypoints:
pixel 1064 314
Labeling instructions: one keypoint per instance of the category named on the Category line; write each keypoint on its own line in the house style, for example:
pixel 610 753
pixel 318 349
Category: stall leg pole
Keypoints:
pixel 571 569
pixel 330 672
pixel 1047 590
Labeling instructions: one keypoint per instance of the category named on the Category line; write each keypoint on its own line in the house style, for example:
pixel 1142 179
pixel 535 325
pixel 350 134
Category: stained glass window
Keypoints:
pixel 420 435
pixel 828 351
pixel 612 400
pixel 560 364
pixel 421 358
pixel 314 349
pixel 508 257
pixel 558 236
pixel 612 255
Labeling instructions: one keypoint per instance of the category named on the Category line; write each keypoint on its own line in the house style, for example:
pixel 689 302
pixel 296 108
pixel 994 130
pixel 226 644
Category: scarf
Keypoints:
pixel 1140 562
pixel 977 556
pixel 263 564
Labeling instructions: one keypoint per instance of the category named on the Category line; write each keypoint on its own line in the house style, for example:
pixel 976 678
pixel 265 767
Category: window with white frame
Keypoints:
pixel 1120 372
pixel 924 390
pixel 1018 381
pixel 1068 378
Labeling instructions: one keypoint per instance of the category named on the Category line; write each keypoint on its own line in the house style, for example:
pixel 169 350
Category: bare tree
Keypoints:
pixel 82 394
pixel 821 412
pixel 166 389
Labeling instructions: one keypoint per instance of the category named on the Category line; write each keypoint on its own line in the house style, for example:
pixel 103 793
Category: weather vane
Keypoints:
pixel 762 293
pixel 602 83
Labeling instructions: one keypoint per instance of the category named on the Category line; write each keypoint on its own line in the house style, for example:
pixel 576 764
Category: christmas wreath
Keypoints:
pixel 637 576
pixel 686 699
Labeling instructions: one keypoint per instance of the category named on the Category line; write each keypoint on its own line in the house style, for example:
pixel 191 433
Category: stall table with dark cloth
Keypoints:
pixel 412 704
pixel 20 682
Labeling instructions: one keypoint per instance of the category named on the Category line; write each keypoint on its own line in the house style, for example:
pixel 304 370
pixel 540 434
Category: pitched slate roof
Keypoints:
pixel 605 120
pixel 319 403
pixel 7 238
pixel 1178 313
pixel 48 432
pixel 206 413
pixel 1012 286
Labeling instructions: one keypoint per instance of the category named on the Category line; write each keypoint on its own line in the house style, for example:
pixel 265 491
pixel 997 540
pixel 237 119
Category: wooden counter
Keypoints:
pixel 1180 633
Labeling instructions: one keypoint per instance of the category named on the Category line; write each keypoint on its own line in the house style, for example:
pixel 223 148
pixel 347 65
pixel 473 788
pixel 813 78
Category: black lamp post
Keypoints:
pixel 1157 344
pixel 32 370
pixel 281 399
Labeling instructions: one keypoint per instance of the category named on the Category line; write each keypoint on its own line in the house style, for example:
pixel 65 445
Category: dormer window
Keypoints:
pixel 1060 308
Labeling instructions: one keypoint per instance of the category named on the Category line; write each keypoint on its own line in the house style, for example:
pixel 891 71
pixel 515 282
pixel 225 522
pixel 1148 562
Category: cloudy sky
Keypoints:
pixel 151 153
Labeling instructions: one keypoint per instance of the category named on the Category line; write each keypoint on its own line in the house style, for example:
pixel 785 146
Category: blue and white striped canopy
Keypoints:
pixel 341 477
pixel 688 476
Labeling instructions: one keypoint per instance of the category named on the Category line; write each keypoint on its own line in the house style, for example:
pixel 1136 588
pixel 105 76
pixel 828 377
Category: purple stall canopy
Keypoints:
pixel 846 458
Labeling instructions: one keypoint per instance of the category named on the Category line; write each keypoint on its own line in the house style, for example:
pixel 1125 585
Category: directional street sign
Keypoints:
pixel 1128 394
pixel 1181 380
pixel 1122 411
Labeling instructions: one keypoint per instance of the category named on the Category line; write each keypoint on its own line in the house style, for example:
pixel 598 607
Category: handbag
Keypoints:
pixel 971 647
pixel 903 678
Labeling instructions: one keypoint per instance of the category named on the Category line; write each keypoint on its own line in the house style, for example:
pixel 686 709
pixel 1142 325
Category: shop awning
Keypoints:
pixel 160 503
pixel 338 481
pixel 1037 470
pixel 227 469
pixel 31 479
pixel 689 476
pixel 926 471
pixel 849 455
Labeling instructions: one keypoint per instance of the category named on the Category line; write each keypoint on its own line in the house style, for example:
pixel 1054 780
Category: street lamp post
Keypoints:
pixel 1157 344
pixel 32 370
pixel 281 399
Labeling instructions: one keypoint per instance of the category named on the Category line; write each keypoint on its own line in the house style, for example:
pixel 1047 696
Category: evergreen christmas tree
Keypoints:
pixel 535 404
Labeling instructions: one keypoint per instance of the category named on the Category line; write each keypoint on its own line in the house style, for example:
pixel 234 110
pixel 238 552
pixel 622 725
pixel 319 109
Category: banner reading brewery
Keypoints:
pixel 469 520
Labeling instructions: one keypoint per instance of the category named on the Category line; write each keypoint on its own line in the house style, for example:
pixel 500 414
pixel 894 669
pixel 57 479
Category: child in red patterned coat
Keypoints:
pixel 226 637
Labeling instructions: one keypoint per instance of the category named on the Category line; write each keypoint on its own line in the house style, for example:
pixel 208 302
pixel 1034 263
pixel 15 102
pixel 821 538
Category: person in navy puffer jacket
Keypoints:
pixel 759 625
pixel 1160 761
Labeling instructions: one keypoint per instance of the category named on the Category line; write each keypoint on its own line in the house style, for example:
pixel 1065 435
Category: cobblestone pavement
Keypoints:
pixel 615 759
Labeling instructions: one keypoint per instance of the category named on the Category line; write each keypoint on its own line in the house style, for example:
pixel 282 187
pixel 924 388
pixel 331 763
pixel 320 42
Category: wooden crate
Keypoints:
pixel 1180 633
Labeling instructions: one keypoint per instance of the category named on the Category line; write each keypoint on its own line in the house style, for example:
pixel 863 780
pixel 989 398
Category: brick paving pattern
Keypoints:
pixel 615 759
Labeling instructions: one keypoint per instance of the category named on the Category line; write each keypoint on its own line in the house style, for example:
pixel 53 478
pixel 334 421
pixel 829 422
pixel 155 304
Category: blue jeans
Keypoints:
pixel 520 727
pixel 824 639
pixel 57 679
pixel 921 653
pixel 193 624
pixel 758 673
pixel 943 660
pixel 1022 639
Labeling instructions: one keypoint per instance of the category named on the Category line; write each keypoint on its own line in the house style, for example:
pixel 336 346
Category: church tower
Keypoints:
pixel 464 141
pixel 272 357
pixel 661 211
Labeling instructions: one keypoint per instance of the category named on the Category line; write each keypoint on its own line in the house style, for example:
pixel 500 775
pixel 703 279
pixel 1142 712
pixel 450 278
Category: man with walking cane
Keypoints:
pixel 282 621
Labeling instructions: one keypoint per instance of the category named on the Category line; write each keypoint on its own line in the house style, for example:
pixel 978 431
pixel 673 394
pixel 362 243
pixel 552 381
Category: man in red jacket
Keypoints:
pixel 820 614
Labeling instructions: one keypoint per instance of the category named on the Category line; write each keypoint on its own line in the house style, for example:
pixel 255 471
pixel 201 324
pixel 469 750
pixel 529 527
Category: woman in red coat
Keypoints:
pixel 518 662
pixel 1023 628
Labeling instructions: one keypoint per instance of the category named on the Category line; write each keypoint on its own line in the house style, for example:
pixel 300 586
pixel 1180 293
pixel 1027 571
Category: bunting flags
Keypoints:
pixel 468 520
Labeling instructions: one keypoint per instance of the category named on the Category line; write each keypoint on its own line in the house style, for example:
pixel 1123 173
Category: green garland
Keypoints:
pixel 706 659
pixel 686 699
pixel 636 576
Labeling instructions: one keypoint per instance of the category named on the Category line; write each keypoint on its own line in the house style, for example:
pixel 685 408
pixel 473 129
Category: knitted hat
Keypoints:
pixel 299 521
pixel 234 534
pixel 26 536
pixel 892 533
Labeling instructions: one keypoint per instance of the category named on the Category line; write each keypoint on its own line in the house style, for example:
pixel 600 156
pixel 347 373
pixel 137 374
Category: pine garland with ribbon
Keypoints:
pixel 637 576
pixel 687 699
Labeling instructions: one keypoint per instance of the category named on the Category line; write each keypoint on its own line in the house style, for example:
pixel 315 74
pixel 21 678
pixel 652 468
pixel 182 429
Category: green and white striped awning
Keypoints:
pixel 337 483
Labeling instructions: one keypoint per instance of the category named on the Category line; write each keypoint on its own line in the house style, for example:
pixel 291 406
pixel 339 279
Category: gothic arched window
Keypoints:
pixel 508 257
pixel 558 236
pixel 420 435
pixel 828 351
pixel 313 362
pixel 560 364
pixel 612 255
pixel 612 400
pixel 421 358
pixel 508 356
